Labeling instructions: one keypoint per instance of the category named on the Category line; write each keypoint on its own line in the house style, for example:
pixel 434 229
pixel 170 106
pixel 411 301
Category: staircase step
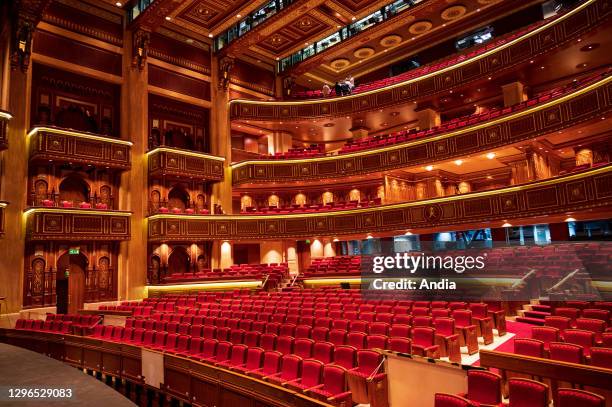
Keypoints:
pixel 536 314
pixel 541 308
pixel 532 321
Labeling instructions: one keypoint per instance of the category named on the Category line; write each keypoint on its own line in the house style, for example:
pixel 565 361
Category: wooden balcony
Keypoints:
pixel 77 224
pixel 183 163
pixel 70 146
pixel 574 24
pixel 585 193
pixel 591 102
pixel 5 117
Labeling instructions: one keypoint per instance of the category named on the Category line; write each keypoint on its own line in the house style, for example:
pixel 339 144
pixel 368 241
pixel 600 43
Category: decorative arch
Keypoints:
pixel 178 198
pixel 74 189
pixel 104 277
pixel 41 189
pixel 178 261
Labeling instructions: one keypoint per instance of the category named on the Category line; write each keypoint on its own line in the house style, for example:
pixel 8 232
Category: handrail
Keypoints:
pixel 294 279
pixel 561 282
pixel 263 285
pixel 523 279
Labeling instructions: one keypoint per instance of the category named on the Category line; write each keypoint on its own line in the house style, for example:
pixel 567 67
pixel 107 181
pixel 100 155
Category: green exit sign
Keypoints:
pixel 74 250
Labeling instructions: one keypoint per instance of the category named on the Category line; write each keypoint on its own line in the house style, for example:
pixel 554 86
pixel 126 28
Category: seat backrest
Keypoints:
pixel 268 341
pixel 284 344
pixel 444 326
pixel 529 347
pixel 601 357
pixel 334 379
pixel 337 336
pixel 402 345
pixel 254 358
pixel 291 367
pixel 484 387
pixel 559 322
pixel 356 339
pixel 303 347
pixel 586 339
pixel 323 351
pixel 566 352
pixel 594 313
pixel 223 350
pixel 271 362
pixel 451 400
pixel 527 393
pixel 311 372
pixel 345 356
pixel 368 360
pixel 590 324
pixel 575 397
pixel 423 336
pixel 376 341
pixel 546 334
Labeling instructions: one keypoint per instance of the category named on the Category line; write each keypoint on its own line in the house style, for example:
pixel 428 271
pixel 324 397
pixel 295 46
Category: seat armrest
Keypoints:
pixel 312 388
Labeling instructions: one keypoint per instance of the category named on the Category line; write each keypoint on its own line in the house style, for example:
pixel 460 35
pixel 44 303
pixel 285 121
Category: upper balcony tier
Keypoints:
pixel 5 117
pixel 71 146
pixel 549 113
pixel 77 224
pixel 177 162
pixel 440 78
pixel 586 195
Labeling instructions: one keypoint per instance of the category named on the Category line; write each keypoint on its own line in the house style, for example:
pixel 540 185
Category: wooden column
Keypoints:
pixel 279 142
pixel 220 140
pixel 514 93
pixel 427 118
pixel 14 189
pixel 133 191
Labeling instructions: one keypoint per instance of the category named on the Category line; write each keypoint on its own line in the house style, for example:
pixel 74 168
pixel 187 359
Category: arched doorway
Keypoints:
pixel 74 189
pixel 178 262
pixel 70 283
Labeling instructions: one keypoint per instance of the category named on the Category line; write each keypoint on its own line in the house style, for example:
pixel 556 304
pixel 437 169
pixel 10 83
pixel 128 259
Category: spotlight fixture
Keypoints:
pixel 570 219
pixel 429 167
pixel 490 156
pixel 506 225
pixel 458 162
pixel 118 4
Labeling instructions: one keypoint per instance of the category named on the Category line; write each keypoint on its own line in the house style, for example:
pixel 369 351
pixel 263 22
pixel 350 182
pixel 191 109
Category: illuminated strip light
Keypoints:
pixel 535 184
pixel 185 152
pixel 5 115
pixel 3 204
pixel 78 211
pixel 78 134
pixel 424 140
pixel 316 281
pixel 443 70
pixel 195 286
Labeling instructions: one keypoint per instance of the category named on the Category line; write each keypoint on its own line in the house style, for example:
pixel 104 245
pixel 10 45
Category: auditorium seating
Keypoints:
pixel 320 207
pixel 403 136
pixel 235 272
pixel 334 266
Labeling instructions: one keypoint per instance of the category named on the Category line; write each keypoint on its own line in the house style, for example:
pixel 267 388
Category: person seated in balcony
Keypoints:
pixel 326 90
pixel 350 81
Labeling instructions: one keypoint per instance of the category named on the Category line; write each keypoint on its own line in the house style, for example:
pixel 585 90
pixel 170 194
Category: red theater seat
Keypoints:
pixel 579 398
pixel 527 393
pixel 333 390
pixel 450 400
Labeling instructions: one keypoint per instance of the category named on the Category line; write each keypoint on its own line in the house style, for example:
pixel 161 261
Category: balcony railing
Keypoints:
pixel 71 146
pixel 77 224
pixel 54 200
pixel 5 117
pixel 576 193
pixel 185 163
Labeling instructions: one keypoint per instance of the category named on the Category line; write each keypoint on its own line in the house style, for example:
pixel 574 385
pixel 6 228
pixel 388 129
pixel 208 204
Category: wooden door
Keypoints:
pixel 76 288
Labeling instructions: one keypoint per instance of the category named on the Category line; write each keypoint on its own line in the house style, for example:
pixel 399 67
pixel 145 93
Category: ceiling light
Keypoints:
pixel 168 18
pixel 210 35
pixel 429 167
pixel 458 162
pixel 489 177
pixel 408 233
pixel 354 18
pixel 369 237
pixel 118 4
pixel 570 219
pixel 506 225
pixel 336 239
pixel 238 15
pixel 490 156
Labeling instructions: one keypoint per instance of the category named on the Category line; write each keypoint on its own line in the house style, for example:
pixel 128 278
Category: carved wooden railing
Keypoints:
pixel 591 102
pixel 77 224
pixel 558 32
pixel 183 163
pixel 184 379
pixel 5 117
pixel 584 191
pixel 71 146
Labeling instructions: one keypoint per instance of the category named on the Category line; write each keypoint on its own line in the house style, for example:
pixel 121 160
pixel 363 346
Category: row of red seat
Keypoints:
pixel 297 208
pixel 485 388
pixel 315 150
pixel 459 123
pixel 433 67
pixel 235 272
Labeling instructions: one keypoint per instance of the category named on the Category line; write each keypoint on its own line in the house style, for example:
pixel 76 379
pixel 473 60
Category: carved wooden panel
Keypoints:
pixel 570 193
pixel 1 221
pixel 4 119
pixel 66 224
pixel 169 161
pixel 555 35
pixel 74 147
pixel 538 120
